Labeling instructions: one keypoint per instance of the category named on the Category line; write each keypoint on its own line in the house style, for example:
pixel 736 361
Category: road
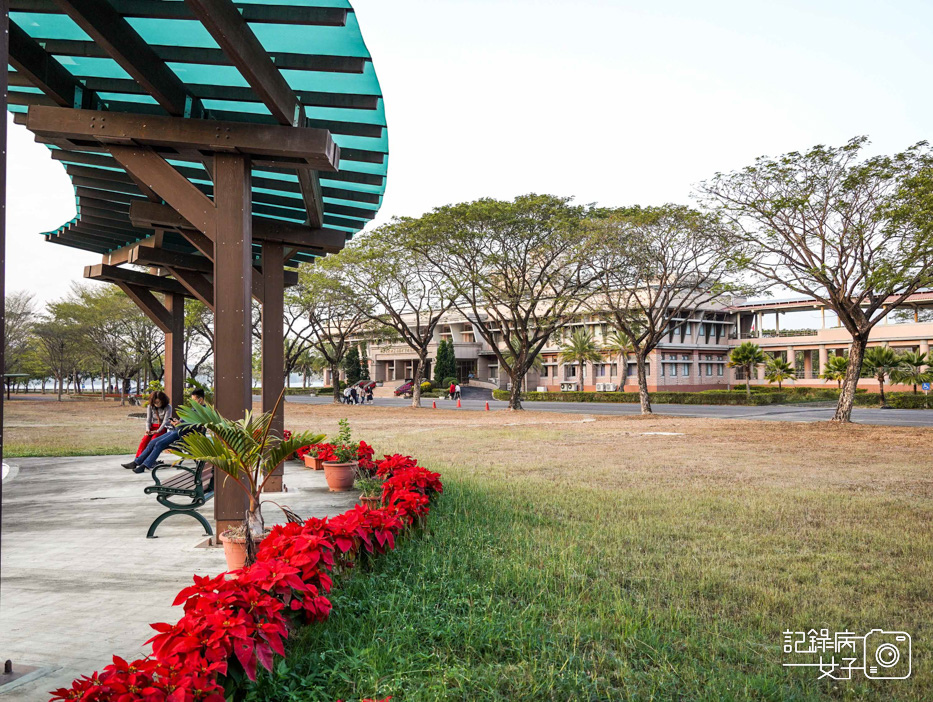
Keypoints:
pixel 815 412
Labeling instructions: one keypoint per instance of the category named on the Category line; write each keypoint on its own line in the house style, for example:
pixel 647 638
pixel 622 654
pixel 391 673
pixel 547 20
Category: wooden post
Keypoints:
pixel 273 342
pixel 175 350
pixel 232 317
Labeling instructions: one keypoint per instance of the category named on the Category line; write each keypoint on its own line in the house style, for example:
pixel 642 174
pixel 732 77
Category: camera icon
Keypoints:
pixel 887 655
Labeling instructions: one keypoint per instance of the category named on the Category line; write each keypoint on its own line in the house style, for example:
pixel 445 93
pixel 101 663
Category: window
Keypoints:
pixel 663 356
pixel 719 367
pixel 544 372
pixel 673 369
pixel 613 369
pixel 687 366
pixel 599 370
pixel 571 371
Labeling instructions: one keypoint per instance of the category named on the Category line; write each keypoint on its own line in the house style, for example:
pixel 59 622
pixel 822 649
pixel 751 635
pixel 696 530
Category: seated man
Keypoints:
pixel 147 459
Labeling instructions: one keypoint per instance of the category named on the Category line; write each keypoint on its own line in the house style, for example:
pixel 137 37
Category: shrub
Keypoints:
pixel 448 381
pixel 426 386
pixel 706 397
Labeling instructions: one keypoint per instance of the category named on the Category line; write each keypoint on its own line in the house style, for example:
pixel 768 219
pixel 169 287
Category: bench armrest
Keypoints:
pixel 178 466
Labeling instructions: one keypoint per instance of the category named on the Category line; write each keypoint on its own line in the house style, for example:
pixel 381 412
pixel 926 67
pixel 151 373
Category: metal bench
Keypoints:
pixel 194 483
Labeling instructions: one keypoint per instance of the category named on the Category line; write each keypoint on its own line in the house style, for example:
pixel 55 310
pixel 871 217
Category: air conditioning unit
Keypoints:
pixel 600 387
pixel 568 387
pixel 540 388
pixel 610 387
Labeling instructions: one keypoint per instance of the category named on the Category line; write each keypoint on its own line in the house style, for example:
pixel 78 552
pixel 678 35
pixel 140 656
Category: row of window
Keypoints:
pixel 671 366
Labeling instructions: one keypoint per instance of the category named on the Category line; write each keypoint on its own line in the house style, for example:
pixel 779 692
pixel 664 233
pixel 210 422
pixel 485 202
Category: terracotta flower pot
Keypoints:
pixel 340 476
pixel 314 463
pixel 371 502
pixel 235 550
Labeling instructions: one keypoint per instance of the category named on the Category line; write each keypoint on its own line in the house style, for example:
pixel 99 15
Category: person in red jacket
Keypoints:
pixel 451 391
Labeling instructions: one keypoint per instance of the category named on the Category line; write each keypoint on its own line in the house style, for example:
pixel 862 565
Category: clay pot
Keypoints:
pixel 235 550
pixel 340 476
pixel 314 463
pixel 371 502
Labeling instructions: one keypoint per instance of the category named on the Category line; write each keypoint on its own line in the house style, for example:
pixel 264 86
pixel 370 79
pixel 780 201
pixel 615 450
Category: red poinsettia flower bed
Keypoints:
pixel 231 626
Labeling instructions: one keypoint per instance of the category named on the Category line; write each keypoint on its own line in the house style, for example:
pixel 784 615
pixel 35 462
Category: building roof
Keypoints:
pixel 810 303
pixel 204 59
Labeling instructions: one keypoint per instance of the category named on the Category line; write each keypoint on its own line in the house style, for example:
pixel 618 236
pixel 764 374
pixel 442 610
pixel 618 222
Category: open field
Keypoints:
pixel 578 557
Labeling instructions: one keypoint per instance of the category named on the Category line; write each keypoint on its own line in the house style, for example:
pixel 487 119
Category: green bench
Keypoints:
pixel 194 485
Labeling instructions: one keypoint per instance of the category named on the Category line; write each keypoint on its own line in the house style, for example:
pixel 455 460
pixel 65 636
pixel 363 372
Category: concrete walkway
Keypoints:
pixel 80 580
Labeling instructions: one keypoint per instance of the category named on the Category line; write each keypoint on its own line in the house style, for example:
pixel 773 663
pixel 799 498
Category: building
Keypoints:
pixel 692 357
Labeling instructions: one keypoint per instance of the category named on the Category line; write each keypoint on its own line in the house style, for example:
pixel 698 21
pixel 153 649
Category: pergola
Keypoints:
pixel 213 146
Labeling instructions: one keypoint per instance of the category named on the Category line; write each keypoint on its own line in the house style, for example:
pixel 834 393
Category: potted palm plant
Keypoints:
pixel 340 471
pixel 247 451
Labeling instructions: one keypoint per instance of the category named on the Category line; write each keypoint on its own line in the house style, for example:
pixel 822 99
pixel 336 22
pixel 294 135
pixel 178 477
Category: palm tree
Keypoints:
pixel 618 343
pixel 779 370
pixel 246 450
pixel 581 348
pixel 881 361
pixel 746 356
pixel 835 369
pixel 911 370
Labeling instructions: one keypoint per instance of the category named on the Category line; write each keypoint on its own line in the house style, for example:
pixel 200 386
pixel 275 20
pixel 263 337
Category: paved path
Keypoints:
pixel 81 581
pixel 809 412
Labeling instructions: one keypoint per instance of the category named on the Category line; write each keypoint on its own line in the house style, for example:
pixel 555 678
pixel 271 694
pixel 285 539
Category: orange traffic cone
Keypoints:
pixel 458 403
pixel 487 406
pixel 434 405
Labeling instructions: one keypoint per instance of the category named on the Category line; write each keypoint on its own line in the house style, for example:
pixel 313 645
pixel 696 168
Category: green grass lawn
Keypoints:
pixel 522 591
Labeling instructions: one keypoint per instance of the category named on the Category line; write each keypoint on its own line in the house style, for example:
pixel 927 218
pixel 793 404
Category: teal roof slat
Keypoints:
pixel 321 59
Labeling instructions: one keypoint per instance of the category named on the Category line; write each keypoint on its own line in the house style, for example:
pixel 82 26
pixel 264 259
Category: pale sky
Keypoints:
pixel 613 102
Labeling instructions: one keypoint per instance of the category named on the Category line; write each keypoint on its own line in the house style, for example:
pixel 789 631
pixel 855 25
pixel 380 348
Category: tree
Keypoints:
pixel 351 365
pixel 836 369
pixel 398 290
pixel 364 361
pixel 618 343
pixel 653 268
pixel 746 356
pixel 778 370
pixel 199 337
pixel 59 345
pixel 326 297
pixel 516 269
pixel 19 318
pixel 580 349
pixel 855 235
pixel 913 369
pixel 881 361
pixel 445 364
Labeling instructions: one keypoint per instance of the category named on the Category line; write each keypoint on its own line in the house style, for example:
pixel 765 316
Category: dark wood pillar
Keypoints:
pixel 175 349
pixel 5 54
pixel 273 342
pixel 232 313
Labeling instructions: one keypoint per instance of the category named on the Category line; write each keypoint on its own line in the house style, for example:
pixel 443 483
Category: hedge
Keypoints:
pixel 727 397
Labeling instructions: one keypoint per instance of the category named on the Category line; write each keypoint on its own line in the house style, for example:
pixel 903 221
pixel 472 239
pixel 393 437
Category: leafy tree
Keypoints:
pixel 19 318
pixel 582 349
pixel 398 290
pixel 854 234
pixel 364 361
pixel 778 370
pixel 881 361
pixel 199 337
pixel 746 356
pixel 653 268
pixel 351 365
pixel 445 364
pixel 914 369
pixel 618 343
pixel 835 369
pixel 516 269
pixel 59 346
pixel 326 296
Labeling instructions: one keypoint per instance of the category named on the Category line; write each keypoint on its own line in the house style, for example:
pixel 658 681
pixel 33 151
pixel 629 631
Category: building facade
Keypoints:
pixel 693 355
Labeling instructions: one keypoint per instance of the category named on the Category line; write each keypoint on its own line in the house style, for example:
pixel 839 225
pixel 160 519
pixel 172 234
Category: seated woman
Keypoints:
pixel 158 419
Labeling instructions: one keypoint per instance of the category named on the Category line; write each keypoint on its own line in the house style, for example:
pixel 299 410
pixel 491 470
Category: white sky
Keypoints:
pixel 613 102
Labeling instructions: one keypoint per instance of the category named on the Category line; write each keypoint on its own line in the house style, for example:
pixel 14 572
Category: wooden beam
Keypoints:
pixel 110 30
pixel 146 214
pixel 173 187
pixel 295 147
pixel 175 350
pixel 200 242
pixel 196 283
pixel 143 255
pixel 148 303
pixel 46 73
pixel 124 253
pixel 115 274
pixel 313 198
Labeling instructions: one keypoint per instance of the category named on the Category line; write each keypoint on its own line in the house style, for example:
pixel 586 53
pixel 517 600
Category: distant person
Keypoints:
pixel 147 459
pixel 451 391
pixel 369 393
pixel 354 395
pixel 457 391
pixel 158 419
pixel 346 396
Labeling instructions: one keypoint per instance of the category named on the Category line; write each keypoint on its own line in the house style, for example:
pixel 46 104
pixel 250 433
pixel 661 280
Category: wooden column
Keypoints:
pixel 273 342
pixel 232 313
pixel 175 349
